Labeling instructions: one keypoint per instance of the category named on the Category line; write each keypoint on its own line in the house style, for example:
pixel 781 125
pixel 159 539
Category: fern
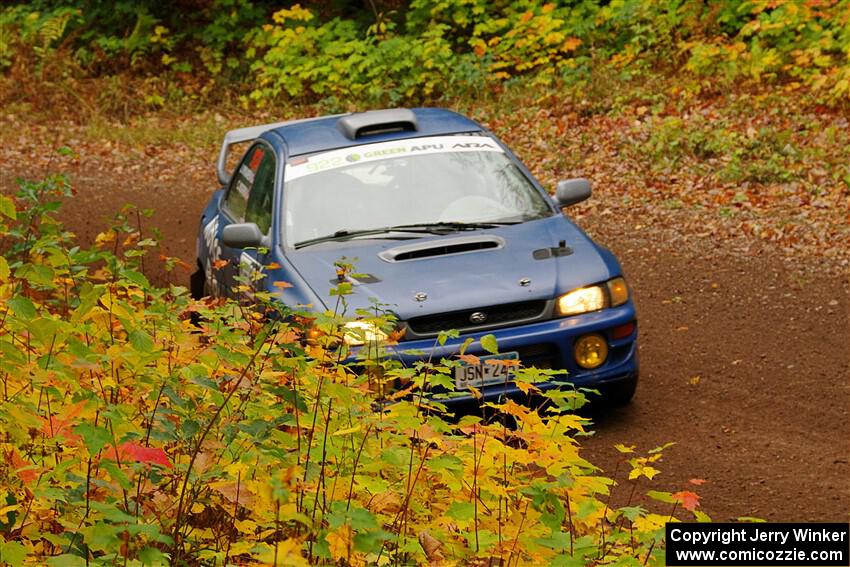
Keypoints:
pixel 52 28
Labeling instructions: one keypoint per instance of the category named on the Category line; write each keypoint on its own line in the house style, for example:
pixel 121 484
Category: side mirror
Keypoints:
pixel 572 191
pixel 242 235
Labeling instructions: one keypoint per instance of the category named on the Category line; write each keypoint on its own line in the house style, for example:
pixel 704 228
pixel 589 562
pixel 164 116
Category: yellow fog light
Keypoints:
pixel 591 351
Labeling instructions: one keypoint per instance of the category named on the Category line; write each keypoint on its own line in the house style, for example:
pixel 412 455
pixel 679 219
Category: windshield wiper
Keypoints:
pixel 348 234
pixel 418 228
pixel 456 225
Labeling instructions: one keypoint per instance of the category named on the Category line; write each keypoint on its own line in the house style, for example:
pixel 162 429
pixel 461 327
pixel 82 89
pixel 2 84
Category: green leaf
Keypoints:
pixel 152 556
pixel 4 269
pixel 89 297
pixel 701 516
pixel 13 553
pixel 141 341
pixel 36 273
pixel 633 512
pixel 443 336
pixel 116 474
pixel 488 343
pixel 94 437
pixel 101 537
pixel 66 560
pixel 137 278
pixel 7 207
pixel 22 307
pixel 662 496
pixel 44 330
pixel 661 448
pixel 461 511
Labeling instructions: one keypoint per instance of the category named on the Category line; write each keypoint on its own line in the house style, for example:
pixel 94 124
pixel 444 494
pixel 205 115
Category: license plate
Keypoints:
pixel 484 374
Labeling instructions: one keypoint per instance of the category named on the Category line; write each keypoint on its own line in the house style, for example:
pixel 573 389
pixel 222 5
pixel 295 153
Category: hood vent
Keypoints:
pixel 442 247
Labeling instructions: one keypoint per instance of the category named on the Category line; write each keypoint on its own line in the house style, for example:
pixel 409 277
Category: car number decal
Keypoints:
pixel 213 254
pixel 384 150
pixel 247 173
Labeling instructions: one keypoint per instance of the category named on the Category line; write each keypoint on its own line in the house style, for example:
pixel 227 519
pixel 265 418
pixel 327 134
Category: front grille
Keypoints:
pixel 497 316
pixel 538 356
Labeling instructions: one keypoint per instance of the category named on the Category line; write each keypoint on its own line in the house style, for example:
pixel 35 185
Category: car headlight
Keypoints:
pixel 356 333
pixel 612 293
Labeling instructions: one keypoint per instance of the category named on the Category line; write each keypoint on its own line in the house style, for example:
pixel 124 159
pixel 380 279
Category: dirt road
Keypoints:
pixel 745 354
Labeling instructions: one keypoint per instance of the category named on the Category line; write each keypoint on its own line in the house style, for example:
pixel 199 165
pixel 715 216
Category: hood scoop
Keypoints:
pixel 442 247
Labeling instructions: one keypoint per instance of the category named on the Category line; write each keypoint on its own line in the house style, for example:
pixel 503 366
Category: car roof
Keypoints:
pixel 333 132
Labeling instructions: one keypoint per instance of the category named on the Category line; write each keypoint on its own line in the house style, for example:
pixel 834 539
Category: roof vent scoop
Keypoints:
pixel 369 123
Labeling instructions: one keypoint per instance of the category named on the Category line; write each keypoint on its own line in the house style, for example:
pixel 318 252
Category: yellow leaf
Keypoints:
pixel 340 542
pixel 526 387
pixel 624 449
pixel 7 509
pixel 105 238
pixel 646 471
pixel 288 552
pixel 246 526
pixel 348 431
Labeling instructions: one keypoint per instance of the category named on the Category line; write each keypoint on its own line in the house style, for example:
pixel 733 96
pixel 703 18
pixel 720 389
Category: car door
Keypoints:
pixel 248 199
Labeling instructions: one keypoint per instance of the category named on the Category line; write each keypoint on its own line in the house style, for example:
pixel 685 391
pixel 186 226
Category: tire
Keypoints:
pixel 620 393
pixel 198 284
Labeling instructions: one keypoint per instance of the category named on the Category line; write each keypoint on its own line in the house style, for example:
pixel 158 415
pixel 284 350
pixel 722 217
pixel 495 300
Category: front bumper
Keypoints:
pixel 546 344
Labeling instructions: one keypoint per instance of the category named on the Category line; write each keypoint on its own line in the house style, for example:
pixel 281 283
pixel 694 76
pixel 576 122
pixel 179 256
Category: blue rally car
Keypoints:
pixel 449 228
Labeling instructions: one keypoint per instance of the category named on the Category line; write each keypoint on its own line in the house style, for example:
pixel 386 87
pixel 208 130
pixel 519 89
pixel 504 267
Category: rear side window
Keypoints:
pixel 244 178
pixel 259 209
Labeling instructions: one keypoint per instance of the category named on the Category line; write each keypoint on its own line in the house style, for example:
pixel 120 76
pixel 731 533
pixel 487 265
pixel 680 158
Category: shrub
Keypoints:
pixel 144 427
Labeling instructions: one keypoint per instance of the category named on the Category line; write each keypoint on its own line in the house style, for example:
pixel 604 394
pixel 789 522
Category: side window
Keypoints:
pixel 236 200
pixel 259 209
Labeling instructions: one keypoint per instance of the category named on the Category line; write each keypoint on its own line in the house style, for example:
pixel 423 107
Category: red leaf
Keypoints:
pixel 142 454
pixel 688 500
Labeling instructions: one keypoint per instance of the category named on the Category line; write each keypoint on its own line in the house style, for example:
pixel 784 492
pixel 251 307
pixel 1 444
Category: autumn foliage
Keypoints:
pixel 144 428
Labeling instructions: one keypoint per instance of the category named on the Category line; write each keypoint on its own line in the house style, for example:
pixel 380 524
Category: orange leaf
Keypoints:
pixel 571 44
pixel 27 475
pixel 502 361
pixel 469 358
pixel 688 500
pixel 282 284
pixel 510 407
pixel 147 455
pixel 219 264
pixel 60 424
pixel 697 481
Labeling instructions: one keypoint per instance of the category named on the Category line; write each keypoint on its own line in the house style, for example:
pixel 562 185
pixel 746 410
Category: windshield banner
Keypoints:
pixel 299 166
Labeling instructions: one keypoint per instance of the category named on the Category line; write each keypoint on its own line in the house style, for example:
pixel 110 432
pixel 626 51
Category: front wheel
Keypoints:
pixel 198 284
pixel 621 392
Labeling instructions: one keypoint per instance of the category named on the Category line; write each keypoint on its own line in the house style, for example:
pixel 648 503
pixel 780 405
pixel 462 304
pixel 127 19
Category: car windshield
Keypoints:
pixel 421 181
